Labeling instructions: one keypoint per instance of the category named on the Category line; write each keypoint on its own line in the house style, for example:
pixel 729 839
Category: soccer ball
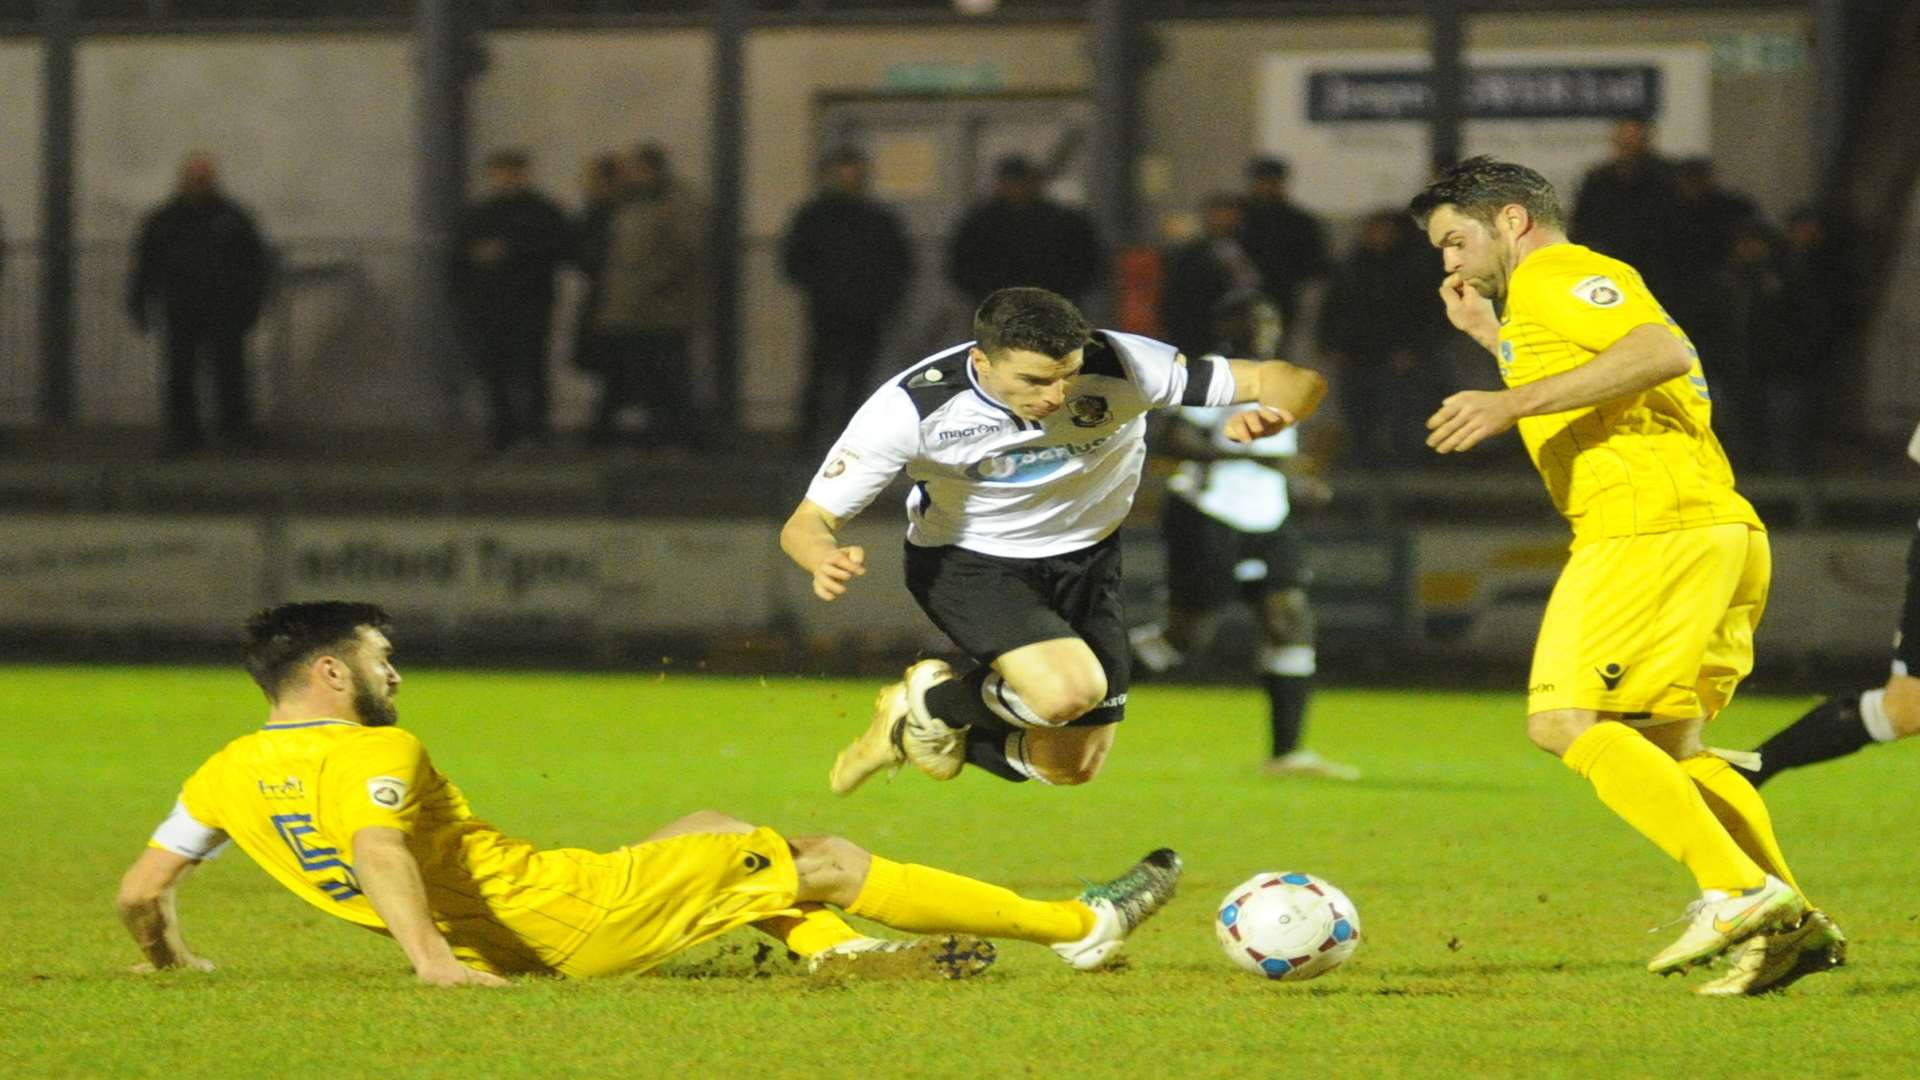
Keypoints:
pixel 1287 926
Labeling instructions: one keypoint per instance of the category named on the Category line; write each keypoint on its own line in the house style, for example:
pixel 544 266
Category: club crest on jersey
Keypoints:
pixel 387 792
pixel 1089 410
pixel 1600 291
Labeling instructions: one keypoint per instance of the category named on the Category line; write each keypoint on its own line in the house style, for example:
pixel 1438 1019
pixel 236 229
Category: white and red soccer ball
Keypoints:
pixel 1290 926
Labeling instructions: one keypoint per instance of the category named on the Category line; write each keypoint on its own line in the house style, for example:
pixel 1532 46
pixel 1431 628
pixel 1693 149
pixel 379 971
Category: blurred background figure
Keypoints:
pixel 1288 244
pixel 508 249
pixel 1230 534
pixel 200 262
pixel 1380 323
pixel 849 255
pixel 1202 271
pixel 1810 372
pixel 1018 236
pixel 599 195
pixel 652 297
pixel 1625 208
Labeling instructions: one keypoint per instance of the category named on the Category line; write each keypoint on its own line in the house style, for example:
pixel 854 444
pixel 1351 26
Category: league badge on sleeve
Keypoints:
pixel 1600 291
pixel 387 792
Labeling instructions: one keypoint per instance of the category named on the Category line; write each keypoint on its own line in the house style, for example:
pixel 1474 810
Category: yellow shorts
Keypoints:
pixel 1659 624
pixel 585 913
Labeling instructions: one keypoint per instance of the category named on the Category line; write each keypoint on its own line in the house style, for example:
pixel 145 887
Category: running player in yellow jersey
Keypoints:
pixel 1650 626
pixel 347 811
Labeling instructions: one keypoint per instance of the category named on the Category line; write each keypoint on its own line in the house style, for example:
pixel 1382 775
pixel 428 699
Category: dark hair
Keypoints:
pixel 1016 167
pixel 654 156
pixel 281 639
pixel 843 155
pixel 1268 168
pixel 1032 319
pixel 1478 187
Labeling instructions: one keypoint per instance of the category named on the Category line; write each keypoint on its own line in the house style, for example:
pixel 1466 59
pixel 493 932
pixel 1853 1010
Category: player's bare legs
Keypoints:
pixel 700 821
pixel 1056 682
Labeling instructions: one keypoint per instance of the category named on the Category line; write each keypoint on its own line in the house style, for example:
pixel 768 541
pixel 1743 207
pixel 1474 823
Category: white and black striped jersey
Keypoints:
pixel 993 482
pixel 1239 491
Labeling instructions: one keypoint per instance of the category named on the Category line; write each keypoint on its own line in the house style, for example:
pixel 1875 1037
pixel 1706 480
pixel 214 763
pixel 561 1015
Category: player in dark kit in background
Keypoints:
pixel 1230 534
pixel 1025 448
pixel 1840 725
pixel 201 261
pixel 510 244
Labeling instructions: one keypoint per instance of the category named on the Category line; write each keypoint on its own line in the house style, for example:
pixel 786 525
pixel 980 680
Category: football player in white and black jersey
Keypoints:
pixel 1840 725
pixel 1230 534
pixel 1024 447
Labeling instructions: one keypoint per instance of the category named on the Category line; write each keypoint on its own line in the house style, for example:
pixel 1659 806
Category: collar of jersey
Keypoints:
pixel 1020 423
pixel 309 723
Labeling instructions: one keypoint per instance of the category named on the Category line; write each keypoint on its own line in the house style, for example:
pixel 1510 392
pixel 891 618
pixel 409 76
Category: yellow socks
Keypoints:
pixel 815 930
pixel 923 900
pixel 1738 806
pixel 1649 790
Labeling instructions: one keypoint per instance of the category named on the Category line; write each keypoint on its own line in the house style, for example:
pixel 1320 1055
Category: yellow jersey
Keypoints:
pixel 1647 463
pixel 292 796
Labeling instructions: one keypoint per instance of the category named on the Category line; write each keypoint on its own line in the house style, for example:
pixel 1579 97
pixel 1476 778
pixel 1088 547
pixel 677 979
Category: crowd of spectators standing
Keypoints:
pixel 1768 308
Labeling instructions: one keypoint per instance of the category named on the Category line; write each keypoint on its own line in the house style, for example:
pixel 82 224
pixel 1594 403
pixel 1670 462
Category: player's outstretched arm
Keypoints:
pixel 390 876
pixel 1642 359
pixel 146 904
pixel 811 539
pixel 1286 392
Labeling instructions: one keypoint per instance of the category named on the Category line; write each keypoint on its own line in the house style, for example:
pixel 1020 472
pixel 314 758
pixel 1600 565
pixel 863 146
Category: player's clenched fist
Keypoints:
pixel 831 577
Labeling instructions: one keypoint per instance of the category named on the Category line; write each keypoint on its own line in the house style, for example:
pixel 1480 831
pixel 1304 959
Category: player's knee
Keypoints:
pixel 829 868
pixel 1555 730
pixel 1903 705
pixel 1069 761
pixel 1067 697
pixel 1289 621
pixel 713 821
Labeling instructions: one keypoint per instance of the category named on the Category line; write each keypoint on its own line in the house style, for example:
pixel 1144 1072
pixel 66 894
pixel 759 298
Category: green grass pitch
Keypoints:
pixel 1505 911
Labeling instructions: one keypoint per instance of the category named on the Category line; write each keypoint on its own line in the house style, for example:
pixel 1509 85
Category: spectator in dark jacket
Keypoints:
pixel 509 246
pixel 1202 271
pixel 1379 322
pixel 1625 206
pixel 600 190
pixel 849 255
pixel 1287 243
pixel 651 301
pixel 1018 236
pixel 200 263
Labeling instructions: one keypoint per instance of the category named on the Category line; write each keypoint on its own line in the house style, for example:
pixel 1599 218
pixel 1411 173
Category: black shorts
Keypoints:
pixel 991 605
pixel 1906 644
pixel 1205 559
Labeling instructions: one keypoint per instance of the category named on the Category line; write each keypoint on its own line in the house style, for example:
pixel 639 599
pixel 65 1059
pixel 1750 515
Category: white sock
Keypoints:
pixel 1005 703
pixel 1016 751
pixel 1873 715
pixel 1296 660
